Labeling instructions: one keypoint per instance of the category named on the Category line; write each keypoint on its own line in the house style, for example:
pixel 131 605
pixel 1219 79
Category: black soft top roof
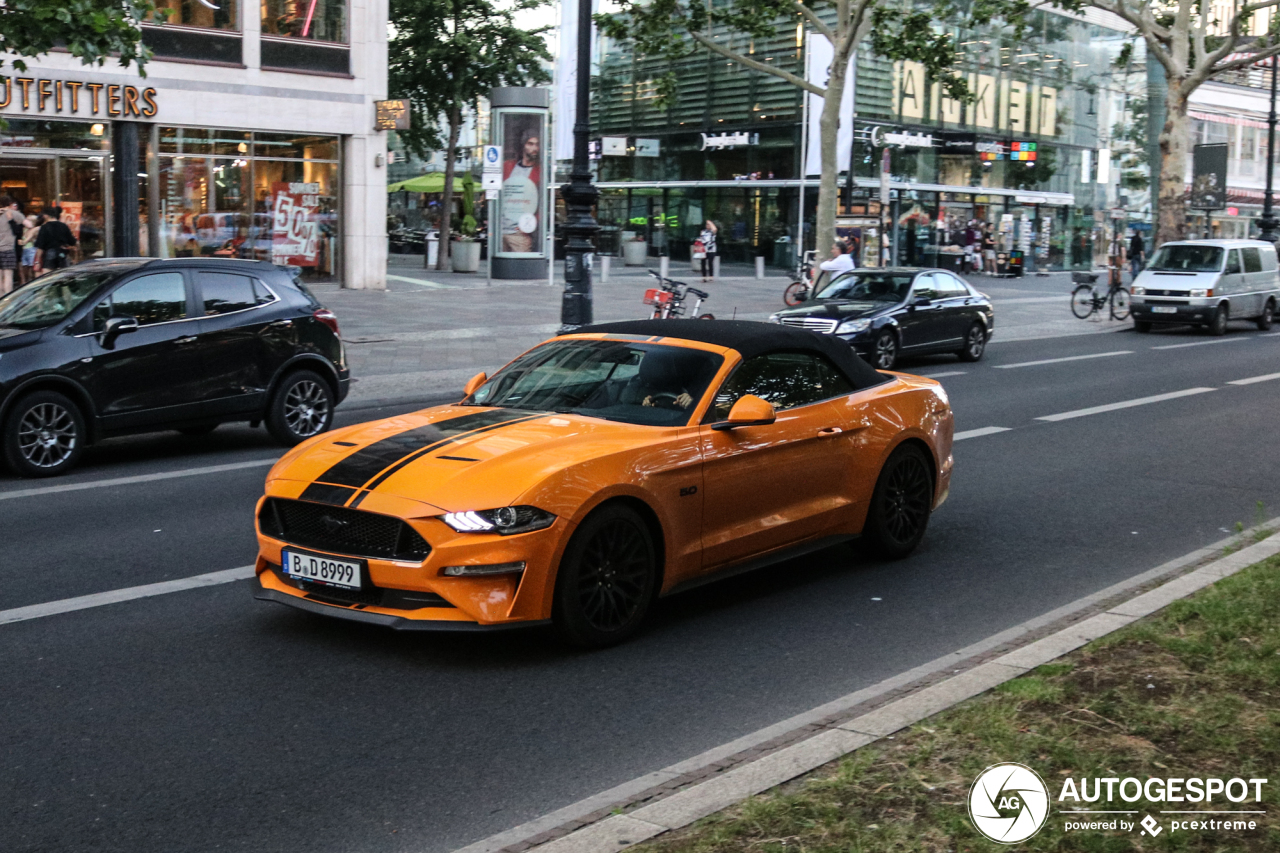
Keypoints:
pixel 750 339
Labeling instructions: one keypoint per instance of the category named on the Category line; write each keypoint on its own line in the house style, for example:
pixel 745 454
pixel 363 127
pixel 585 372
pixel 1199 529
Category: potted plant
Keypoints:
pixel 466 248
pixel 635 251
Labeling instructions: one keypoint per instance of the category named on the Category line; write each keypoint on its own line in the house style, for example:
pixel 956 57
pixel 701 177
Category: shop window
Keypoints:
pixel 304 56
pixel 203 31
pixel 198 140
pixel 296 215
pixel 206 14
pixel 67 135
pixel 184 198
pixel 295 147
pixel 315 20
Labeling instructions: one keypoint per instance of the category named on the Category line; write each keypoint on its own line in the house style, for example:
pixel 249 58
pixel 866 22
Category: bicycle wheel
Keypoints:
pixel 793 295
pixel 1120 303
pixel 1082 301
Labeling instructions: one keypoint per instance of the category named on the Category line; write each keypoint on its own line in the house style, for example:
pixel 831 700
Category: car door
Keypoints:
pixel 1232 279
pixel 152 374
pixel 956 308
pixel 770 485
pixel 242 326
pixel 922 326
pixel 1254 279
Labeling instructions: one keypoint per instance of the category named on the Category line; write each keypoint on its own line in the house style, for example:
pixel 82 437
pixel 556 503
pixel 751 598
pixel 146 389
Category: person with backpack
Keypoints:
pixel 53 241
pixel 10 233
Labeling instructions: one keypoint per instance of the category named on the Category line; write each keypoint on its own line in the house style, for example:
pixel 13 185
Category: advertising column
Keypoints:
pixel 518 242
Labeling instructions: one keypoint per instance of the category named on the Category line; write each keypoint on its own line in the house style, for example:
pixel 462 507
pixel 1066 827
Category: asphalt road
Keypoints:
pixel 204 720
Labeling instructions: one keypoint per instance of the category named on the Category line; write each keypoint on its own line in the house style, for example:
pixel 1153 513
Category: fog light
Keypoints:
pixel 481 571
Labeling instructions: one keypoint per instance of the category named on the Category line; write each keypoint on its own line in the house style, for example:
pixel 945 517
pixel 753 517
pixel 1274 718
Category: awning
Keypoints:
pixel 432 182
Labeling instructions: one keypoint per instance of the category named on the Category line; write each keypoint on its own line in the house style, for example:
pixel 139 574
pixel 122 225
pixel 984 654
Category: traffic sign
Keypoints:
pixel 491 181
pixel 492 159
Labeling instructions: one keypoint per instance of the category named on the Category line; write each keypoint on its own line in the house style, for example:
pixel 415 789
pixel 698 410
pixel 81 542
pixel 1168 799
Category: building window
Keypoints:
pixel 317 20
pixel 206 14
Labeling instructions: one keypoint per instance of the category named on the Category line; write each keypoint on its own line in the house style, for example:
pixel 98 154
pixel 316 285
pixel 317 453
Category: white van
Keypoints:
pixel 1206 283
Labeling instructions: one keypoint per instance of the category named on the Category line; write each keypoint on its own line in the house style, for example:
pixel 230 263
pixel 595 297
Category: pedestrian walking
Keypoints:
pixel 709 249
pixel 988 250
pixel 30 228
pixel 10 233
pixel 1137 254
pixel 53 242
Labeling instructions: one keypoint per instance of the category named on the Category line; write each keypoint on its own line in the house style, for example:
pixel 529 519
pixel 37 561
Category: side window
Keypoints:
pixel 924 288
pixel 832 382
pixel 157 298
pixel 260 293
pixel 1252 260
pixel 224 292
pixel 1268 256
pixel 784 379
pixel 948 286
pixel 1233 262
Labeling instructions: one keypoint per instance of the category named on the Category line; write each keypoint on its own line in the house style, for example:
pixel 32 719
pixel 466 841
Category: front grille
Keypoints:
pixel 822 325
pixel 341 531
pixel 1151 291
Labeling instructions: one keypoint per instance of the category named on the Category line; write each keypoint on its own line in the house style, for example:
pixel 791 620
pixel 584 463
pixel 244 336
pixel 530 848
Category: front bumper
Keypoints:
pixel 1183 312
pixel 386 620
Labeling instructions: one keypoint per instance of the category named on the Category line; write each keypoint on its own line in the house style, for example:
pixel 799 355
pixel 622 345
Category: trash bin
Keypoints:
pixel 433 251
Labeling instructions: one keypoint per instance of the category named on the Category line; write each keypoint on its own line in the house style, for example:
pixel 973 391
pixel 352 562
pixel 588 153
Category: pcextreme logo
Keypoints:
pixel 1008 803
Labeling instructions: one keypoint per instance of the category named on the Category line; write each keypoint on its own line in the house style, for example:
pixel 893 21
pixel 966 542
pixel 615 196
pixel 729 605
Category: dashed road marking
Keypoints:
pixel 1253 379
pixel 944 373
pixel 1125 404
pixel 1201 343
pixel 978 433
pixel 140 478
pixel 1066 358
pixel 419 281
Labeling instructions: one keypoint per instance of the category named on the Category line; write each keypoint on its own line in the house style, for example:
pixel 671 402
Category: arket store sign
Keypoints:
pixel 70 97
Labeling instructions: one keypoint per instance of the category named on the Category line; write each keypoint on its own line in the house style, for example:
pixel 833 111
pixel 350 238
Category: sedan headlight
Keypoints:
pixel 852 327
pixel 773 318
pixel 1138 291
pixel 505 520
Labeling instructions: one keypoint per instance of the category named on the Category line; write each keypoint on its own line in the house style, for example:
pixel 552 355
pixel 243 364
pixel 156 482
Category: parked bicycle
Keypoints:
pixel 1087 299
pixel 801 288
pixel 669 297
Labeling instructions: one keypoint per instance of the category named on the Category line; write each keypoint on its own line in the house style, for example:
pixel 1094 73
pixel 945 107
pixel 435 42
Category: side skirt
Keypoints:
pixel 773 557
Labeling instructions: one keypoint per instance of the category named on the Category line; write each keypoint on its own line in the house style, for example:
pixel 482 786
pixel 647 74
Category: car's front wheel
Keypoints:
pixel 901 504
pixel 44 435
pixel 1218 322
pixel 884 354
pixel 607 579
pixel 302 407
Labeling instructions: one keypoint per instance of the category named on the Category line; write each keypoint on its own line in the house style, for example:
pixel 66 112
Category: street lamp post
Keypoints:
pixel 1268 224
pixel 579 195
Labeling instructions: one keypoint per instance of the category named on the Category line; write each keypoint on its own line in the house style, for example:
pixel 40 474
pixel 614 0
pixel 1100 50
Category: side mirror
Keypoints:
pixel 473 385
pixel 750 410
pixel 117 325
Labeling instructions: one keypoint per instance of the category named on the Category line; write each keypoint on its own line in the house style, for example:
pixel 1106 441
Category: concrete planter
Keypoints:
pixel 465 255
pixel 634 254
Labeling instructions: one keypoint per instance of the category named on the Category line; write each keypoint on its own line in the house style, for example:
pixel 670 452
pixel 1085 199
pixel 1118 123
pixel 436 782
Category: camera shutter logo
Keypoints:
pixel 1008 803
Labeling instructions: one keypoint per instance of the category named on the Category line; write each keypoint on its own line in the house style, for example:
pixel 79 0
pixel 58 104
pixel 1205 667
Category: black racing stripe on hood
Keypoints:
pixel 363 465
pixel 323 493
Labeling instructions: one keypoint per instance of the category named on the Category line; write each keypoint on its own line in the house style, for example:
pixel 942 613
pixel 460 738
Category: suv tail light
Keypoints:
pixel 324 315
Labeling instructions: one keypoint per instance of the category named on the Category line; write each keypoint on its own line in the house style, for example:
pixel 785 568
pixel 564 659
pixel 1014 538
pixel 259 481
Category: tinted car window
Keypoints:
pixel 870 286
pixel 923 288
pixel 158 298
pixel 948 285
pixel 784 379
pixel 1252 260
pixel 225 292
pixel 50 298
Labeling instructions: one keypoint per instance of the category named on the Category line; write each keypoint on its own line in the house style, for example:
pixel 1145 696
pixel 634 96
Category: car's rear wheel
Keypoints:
pixel 884 354
pixel 44 435
pixel 302 407
pixel 607 579
pixel 1267 317
pixel 901 504
pixel 975 343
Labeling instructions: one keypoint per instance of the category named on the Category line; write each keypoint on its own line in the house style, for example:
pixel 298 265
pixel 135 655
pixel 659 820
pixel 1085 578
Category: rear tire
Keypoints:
pixel 1082 301
pixel 901 504
pixel 302 407
pixel 792 295
pixel 44 435
pixel 1268 316
pixel 1141 326
pixel 607 579
pixel 975 343
pixel 706 316
pixel 1218 324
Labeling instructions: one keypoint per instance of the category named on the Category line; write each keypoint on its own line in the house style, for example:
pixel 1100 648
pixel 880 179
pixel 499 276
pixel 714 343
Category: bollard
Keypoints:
pixel 664 266
pixel 604 268
pixel 759 267
pixel 715 267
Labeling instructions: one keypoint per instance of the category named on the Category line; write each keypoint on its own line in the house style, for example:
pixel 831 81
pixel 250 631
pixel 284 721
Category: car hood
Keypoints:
pixel 839 309
pixel 12 338
pixel 1162 280
pixel 451 458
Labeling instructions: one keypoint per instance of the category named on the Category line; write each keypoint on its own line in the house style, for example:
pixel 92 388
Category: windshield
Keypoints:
pixel 869 287
pixel 1187 259
pixel 616 380
pixel 51 298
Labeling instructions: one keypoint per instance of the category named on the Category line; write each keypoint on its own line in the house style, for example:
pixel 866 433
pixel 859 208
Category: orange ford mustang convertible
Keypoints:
pixel 603 469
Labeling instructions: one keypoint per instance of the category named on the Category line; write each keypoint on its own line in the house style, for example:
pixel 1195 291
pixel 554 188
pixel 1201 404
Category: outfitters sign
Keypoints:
pixel 72 97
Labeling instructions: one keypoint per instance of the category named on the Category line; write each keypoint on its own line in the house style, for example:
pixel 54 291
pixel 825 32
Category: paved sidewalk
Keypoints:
pixel 430 331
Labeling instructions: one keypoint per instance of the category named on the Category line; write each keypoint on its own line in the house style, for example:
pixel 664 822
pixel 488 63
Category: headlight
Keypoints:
pixel 1139 291
pixel 850 327
pixel 773 318
pixel 1201 293
pixel 505 520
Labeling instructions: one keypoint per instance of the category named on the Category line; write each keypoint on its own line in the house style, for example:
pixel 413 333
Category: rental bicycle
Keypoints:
pixel 1087 299
pixel 669 297
pixel 802 286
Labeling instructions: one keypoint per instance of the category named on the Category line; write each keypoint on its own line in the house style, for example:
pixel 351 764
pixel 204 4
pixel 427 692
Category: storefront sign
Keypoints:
pixel 67 97
pixel 613 146
pixel 391 115
pixel 1000 103
pixel 647 147
pixel 295 234
pixel 903 139
pixel 72 214
pixel 720 141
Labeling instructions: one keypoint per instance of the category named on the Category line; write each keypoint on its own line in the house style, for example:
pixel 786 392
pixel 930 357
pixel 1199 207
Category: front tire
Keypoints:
pixel 1120 304
pixel 1267 317
pixel 901 504
pixel 607 580
pixel 1218 325
pixel 793 294
pixel 44 435
pixel 302 407
pixel 975 343
pixel 1082 301
pixel 884 353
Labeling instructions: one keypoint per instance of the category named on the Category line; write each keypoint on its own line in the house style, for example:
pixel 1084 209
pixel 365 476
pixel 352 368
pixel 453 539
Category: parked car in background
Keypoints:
pixel 136 345
pixel 1207 283
pixel 885 314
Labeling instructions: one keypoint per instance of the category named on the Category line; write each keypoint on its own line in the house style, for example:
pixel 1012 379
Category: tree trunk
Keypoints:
pixel 829 129
pixel 446 202
pixel 1171 216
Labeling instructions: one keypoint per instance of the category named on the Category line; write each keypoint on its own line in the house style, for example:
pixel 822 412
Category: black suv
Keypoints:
pixel 135 345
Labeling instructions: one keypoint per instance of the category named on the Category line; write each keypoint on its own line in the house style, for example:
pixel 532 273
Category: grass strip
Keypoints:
pixel 1193 691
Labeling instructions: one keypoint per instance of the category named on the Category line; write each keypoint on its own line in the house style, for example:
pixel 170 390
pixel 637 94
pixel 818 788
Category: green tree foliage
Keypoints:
pixel 444 55
pixel 91 30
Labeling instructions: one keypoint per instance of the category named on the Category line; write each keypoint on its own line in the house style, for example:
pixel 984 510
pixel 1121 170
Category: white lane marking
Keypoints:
pixel 1270 335
pixel 419 281
pixel 978 433
pixel 115 596
pixel 1253 379
pixel 1201 343
pixel 944 373
pixel 140 478
pixel 1111 407
pixel 1065 358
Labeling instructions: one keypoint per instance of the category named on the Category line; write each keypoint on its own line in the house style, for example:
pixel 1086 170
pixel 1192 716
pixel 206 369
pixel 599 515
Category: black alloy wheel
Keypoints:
pixel 44 435
pixel 302 407
pixel 975 343
pixel 607 579
pixel 1267 317
pixel 884 354
pixel 1218 324
pixel 901 504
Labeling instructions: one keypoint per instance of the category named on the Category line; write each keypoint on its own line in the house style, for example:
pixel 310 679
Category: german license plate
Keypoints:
pixel 1164 309
pixel 320 569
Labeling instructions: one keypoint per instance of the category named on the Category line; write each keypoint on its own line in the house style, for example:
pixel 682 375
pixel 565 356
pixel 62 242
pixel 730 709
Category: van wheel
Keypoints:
pixel 1218 324
pixel 1268 316
pixel 44 435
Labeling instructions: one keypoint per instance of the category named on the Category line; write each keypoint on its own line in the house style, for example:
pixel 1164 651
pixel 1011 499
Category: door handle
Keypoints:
pixel 188 339
pixel 829 431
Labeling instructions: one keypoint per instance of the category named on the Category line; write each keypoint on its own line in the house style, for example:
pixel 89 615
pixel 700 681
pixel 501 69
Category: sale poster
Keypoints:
pixel 72 213
pixel 295 231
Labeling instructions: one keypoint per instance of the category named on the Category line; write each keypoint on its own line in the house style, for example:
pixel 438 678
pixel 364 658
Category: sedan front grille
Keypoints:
pixel 341 531
pixel 822 325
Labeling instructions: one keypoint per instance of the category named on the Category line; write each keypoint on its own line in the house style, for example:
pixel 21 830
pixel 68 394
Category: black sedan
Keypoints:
pixel 135 345
pixel 888 313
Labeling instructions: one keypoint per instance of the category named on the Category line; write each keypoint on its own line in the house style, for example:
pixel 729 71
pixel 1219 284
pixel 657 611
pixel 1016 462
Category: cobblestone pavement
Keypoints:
pixel 430 331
